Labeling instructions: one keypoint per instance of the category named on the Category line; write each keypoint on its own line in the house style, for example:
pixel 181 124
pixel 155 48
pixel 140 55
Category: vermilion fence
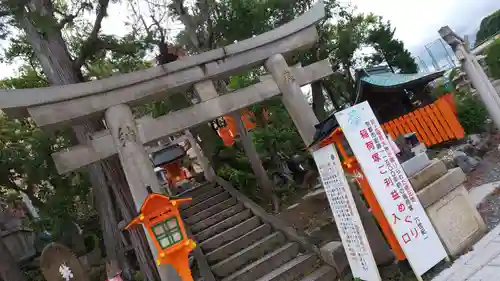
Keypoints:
pixel 433 124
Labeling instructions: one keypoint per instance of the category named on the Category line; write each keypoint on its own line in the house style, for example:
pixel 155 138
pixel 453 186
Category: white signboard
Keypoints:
pixel 391 187
pixel 346 214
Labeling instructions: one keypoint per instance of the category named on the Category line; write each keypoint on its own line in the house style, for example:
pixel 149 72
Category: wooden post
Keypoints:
pixel 136 164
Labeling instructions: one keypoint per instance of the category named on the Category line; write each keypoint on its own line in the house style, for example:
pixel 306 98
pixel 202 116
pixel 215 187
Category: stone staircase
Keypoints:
pixel 239 244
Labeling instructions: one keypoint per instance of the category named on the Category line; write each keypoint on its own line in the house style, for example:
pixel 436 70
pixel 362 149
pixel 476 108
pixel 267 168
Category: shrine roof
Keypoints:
pixel 397 80
pixel 387 79
pixel 324 129
pixel 168 155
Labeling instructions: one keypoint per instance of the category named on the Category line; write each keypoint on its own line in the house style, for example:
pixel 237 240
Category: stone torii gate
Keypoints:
pixel 112 98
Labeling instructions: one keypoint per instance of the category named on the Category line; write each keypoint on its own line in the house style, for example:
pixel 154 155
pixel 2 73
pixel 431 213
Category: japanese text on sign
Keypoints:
pixel 346 214
pixel 391 187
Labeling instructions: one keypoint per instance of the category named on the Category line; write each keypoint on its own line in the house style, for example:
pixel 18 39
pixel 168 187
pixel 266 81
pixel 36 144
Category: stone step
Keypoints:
pixel 239 243
pixel 249 254
pixel 211 211
pixel 324 273
pixel 429 174
pixel 197 190
pixel 299 267
pixel 438 188
pixel 193 209
pixel 217 218
pixel 206 195
pixel 266 264
pixel 230 234
pixel 223 225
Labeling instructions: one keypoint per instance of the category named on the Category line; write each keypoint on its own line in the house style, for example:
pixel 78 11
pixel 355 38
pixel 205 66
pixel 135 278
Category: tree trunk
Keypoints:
pixel 318 98
pixel 331 95
pixel 9 269
pixel 53 55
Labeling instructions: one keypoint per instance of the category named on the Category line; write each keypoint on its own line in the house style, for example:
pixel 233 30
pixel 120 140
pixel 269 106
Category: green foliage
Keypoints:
pixel 490 26
pixel 439 90
pixel 389 49
pixel 26 165
pixel 493 59
pixel 472 113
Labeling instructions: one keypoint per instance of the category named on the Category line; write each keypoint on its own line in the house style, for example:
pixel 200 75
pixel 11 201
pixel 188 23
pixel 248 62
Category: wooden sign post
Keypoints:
pixel 391 187
pixel 347 219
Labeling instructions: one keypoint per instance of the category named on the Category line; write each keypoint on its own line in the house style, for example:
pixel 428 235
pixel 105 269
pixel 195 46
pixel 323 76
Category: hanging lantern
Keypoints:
pixel 162 220
pixel 226 135
pixel 226 126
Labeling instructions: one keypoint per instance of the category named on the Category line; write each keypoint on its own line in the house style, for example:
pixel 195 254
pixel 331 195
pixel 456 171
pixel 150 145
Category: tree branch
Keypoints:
pixel 188 22
pixel 69 18
pixel 87 47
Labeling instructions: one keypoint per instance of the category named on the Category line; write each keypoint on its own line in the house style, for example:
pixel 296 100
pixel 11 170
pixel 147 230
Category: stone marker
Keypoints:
pixel 58 263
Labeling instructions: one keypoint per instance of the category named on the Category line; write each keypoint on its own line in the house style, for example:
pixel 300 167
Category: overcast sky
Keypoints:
pixel 416 22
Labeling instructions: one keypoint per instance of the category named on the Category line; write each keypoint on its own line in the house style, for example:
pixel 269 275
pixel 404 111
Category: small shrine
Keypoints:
pixel 170 160
pixel 391 95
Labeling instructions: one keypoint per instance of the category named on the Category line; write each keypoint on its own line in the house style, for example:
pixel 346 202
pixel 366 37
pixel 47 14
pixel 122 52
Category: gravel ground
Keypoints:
pixel 488 169
pixel 490 209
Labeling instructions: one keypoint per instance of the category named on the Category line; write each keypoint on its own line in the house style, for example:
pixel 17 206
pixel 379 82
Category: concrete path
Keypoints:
pixel 480 264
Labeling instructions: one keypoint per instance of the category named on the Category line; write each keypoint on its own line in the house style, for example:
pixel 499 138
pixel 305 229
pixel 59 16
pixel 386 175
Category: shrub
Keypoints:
pixel 493 59
pixel 472 113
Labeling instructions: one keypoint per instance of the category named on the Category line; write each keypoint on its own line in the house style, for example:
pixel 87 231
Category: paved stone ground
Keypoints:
pixel 480 264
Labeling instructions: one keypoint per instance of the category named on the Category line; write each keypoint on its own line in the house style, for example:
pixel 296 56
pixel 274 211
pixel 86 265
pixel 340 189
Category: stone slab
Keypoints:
pixel 429 174
pixel 334 255
pixel 415 164
pixel 456 220
pixel 101 146
pixel 485 252
pixel 441 187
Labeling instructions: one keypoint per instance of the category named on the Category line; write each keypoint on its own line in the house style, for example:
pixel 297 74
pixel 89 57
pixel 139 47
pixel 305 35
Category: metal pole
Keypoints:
pixel 423 64
pixel 448 56
pixel 434 62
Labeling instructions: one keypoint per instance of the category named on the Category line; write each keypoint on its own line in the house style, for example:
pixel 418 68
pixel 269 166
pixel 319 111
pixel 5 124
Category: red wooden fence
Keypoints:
pixel 433 124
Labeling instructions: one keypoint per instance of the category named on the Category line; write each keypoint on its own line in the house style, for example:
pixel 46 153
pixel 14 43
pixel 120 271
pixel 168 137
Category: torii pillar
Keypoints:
pixel 304 118
pixel 137 167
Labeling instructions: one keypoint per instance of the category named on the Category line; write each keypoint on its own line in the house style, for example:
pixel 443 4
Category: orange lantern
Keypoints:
pixel 162 220
pixel 226 135
pixel 334 135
